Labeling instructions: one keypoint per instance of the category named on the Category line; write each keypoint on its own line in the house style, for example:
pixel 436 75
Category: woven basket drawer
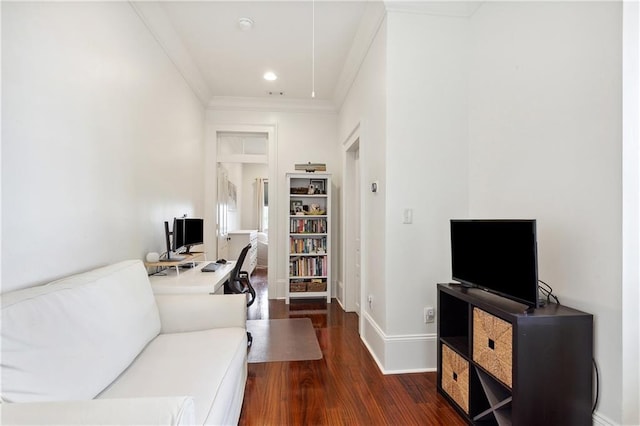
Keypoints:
pixel 297 286
pixel 317 285
pixel 493 345
pixel 455 377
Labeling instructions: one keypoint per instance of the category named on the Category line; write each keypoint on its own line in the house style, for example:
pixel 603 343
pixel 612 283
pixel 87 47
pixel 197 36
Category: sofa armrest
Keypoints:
pixel 138 411
pixel 195 312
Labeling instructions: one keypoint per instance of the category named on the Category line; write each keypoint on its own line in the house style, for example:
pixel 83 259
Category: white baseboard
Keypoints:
pixel 340 303
pixel 338 293
pixel 399 354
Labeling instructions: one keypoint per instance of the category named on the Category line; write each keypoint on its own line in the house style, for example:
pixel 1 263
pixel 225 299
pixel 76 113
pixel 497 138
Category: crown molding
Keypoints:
pixel 271 105
pixel 370 23
pixel 155 19
pixel 372 19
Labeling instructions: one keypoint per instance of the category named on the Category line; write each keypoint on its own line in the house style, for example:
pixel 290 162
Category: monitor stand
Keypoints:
pixel 172 257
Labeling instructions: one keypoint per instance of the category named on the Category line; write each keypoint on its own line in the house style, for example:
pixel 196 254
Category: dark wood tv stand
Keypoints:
pixel 503 364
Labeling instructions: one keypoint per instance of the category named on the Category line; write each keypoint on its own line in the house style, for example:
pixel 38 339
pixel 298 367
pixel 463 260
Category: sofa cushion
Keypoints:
pixel 167 411
pixel 209 365
pixel 71 338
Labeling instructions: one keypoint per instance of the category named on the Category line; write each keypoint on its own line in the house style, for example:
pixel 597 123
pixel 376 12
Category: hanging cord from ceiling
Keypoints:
pixel 597 380
pixel 313 49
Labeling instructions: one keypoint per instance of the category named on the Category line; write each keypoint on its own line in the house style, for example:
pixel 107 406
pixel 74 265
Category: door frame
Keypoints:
pixel 351 301
pixel 222 235
pixel 211 189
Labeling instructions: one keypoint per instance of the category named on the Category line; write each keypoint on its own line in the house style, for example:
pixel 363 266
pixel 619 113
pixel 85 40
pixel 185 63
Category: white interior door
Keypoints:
pixel 352 253
pixel 222 225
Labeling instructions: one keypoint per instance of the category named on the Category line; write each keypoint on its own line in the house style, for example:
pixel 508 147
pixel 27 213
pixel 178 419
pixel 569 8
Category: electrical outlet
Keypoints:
pixel 429 314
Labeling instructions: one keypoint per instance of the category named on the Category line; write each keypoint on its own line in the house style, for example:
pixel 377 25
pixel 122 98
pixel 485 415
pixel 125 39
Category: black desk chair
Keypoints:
pixel 239 283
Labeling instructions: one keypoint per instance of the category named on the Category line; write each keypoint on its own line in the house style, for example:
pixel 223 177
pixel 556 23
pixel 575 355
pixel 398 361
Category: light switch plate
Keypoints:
pixel 407 216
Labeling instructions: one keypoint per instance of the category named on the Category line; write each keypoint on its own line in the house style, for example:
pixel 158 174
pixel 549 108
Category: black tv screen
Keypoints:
pixel 497 255
pixel 187 232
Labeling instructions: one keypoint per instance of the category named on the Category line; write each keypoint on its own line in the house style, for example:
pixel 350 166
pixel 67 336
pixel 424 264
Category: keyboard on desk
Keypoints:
pixel 211 267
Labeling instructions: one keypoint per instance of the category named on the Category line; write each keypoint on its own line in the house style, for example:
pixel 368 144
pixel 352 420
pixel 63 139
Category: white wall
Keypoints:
pixel 102 140
pixel 410 99
pixel 533 130
pixel 365 109
pixel 301 137
pixel 631 215
pixel 545 143
pixel 426 154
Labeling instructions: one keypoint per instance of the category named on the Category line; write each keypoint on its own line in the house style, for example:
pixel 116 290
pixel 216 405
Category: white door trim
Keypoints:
pixel 350 301
pixel 211 185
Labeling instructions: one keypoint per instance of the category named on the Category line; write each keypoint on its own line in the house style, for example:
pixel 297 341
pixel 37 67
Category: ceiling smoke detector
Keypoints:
pixel 245 24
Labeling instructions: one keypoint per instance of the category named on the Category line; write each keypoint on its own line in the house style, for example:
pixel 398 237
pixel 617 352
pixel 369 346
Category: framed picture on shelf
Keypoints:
pixel 296 206
pixel 318 184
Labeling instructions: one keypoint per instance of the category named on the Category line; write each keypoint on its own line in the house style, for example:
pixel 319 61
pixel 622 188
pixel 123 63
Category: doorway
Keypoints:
pixel 351 292
pixel 239 160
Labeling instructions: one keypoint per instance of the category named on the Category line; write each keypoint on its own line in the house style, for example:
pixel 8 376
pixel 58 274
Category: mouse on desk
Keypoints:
pixel 221 261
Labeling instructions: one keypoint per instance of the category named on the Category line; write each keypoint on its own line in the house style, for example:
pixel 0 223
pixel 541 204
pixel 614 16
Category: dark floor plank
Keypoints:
pixel 345 387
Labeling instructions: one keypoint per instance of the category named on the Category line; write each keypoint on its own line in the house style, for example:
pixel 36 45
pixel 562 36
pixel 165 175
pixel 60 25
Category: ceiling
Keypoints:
pixel 311 45
pixel 220 60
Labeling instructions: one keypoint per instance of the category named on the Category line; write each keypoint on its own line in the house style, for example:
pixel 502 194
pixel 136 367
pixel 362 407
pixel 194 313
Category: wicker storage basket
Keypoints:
pixel 493 345
pixel 297 286
pixel 317 285
pixel 455 377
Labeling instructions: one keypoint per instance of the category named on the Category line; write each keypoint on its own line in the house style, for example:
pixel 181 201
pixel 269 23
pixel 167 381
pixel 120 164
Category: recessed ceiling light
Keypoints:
pixel 245 24
pixel 270 76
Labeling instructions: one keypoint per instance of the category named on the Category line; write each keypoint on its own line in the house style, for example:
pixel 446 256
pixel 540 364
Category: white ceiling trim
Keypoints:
pixel 367 29
pixel 158 24
pixel 229 103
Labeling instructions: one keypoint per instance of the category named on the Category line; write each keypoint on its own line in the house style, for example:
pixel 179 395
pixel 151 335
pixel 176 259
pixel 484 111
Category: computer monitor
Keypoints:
pixel 187 232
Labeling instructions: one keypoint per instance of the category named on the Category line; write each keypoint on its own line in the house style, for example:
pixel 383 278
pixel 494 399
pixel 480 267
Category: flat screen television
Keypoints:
pixel 497 255
pixel 187 232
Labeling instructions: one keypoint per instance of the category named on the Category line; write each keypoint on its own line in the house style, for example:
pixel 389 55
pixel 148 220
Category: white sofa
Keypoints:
pixel 100 348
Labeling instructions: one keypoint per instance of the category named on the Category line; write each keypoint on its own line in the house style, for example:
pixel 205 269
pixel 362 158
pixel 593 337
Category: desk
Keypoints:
pixel 188 258
pixel 191 281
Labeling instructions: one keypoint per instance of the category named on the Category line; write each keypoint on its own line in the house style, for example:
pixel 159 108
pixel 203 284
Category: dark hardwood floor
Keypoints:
pixel 345 387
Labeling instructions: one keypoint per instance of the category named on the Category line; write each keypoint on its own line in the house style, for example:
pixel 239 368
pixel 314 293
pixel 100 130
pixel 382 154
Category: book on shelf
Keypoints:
pixel 308 226
pixel 308 266
pixel 307 245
